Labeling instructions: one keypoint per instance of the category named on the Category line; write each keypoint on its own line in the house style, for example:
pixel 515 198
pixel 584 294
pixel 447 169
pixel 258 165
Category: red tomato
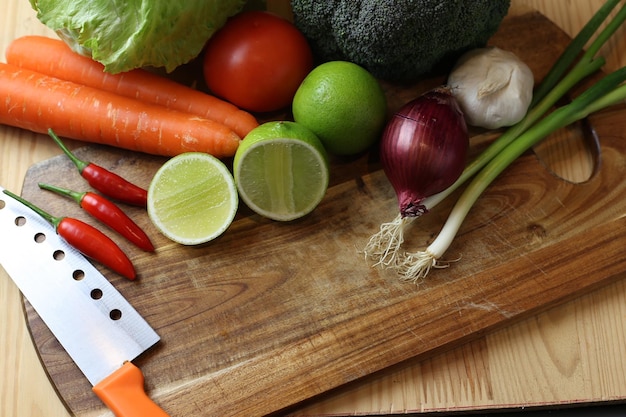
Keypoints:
pixel 257 61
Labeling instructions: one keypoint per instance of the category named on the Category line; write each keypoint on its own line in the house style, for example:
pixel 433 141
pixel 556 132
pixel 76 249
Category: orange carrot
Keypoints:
pixel 53 57
pixel 38 102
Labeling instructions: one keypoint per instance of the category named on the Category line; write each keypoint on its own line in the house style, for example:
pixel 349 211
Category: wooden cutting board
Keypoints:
pixel 271 314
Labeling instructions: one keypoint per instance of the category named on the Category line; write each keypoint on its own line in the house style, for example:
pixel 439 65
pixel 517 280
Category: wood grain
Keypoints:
pixel 571 354
pixel 273 314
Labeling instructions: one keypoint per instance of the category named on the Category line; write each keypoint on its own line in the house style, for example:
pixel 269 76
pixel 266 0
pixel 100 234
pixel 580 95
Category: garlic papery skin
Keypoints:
pixel 493 87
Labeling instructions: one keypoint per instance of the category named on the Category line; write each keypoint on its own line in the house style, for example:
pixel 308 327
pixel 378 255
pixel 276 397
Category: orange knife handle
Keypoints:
pixel 124 394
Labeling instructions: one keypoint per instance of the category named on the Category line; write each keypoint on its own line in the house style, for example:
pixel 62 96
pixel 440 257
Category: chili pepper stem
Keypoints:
pixel 105 181
pixel 74 195
pixel 107 212
pixel 47 216
pixel 79 163
pixel 86 239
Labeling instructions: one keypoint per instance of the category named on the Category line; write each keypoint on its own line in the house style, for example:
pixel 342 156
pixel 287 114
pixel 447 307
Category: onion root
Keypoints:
pixel 415 266
pixel 384 246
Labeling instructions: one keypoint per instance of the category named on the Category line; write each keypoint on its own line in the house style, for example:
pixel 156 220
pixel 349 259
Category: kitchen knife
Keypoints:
pixel 94 323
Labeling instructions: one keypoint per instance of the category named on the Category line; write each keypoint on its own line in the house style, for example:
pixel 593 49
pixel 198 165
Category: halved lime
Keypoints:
pixel 192 198
pixel 281 170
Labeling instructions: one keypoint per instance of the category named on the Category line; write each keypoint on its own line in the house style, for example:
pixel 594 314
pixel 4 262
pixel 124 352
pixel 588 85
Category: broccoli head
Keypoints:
pixel 397 40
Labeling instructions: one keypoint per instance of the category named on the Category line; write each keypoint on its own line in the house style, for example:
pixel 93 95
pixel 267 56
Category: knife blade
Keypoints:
pixel 94 323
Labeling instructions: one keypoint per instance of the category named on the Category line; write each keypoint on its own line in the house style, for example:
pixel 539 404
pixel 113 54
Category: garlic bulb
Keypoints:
pixel 492 86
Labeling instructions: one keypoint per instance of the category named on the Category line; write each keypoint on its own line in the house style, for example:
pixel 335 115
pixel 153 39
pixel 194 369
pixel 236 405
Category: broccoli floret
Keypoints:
pixel 397 40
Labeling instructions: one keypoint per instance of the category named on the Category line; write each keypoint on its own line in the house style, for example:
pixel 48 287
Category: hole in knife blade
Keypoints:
pixel 20 221
pixel 40 237
pixel 96 294
pixel 58 255
pixel 115 314
pixel 78 275
pixel 2 204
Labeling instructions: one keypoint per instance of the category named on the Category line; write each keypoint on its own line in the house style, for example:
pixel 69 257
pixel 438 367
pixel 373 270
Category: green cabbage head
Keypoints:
pixel 127 34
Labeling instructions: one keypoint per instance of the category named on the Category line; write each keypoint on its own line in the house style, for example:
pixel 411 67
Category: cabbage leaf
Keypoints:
pixel 127 34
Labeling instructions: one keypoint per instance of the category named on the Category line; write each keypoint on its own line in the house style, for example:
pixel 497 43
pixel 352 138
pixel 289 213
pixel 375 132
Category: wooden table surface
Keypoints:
pixel 573 353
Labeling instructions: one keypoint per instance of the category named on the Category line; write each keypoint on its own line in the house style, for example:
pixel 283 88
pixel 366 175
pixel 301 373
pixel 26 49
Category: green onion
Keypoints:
pixel 384 246
pixel 604 93
pixel 569 55
pixel 550 90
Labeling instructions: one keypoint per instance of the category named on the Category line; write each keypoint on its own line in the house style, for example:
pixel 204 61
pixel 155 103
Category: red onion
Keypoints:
pixel 424 148
pixel 423 152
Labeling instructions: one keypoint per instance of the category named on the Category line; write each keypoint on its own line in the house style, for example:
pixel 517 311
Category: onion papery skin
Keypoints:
pixel 424 148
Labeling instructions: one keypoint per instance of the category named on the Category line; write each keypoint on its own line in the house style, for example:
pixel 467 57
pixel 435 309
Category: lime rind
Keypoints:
pixel 281 178
pixel 192 198
pixel 343 105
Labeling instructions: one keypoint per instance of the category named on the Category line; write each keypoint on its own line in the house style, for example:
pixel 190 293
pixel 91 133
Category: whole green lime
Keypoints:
pixel 343 104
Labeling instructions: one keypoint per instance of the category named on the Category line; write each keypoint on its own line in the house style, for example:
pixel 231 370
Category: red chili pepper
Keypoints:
pixel 105 181
pixel 86 239
pixel 108 213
